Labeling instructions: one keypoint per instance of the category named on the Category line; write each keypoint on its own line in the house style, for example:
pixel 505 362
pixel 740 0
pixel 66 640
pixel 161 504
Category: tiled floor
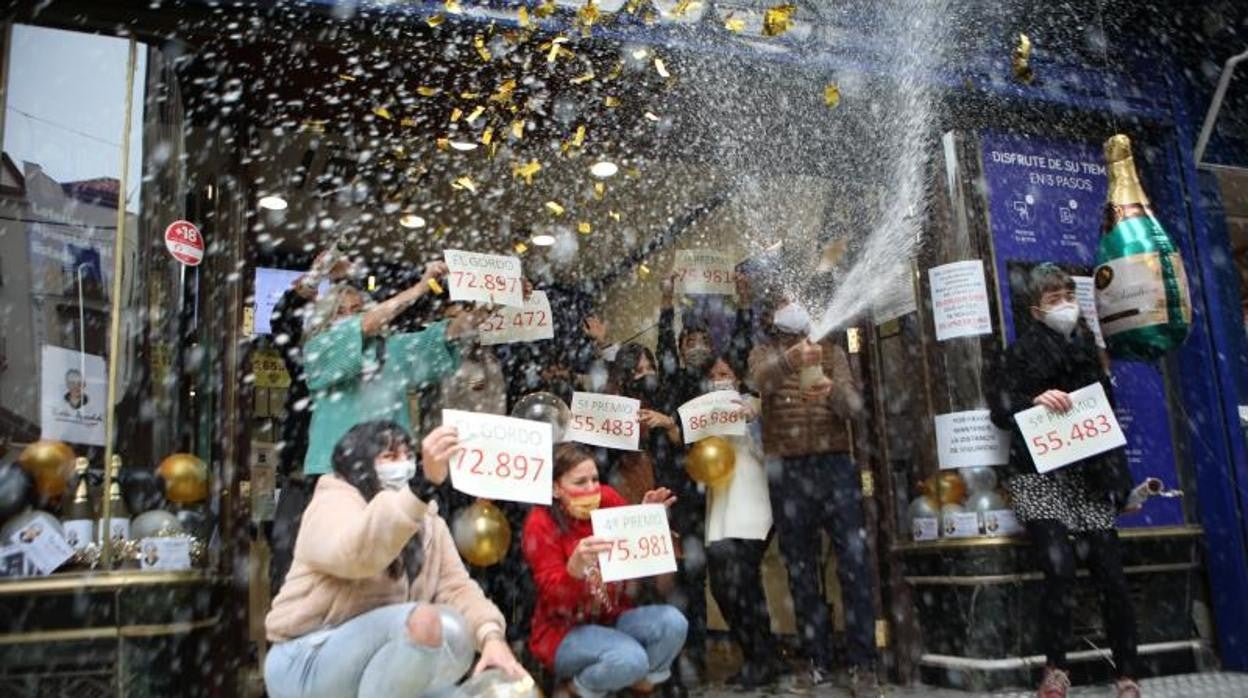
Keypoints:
pixel 1211 685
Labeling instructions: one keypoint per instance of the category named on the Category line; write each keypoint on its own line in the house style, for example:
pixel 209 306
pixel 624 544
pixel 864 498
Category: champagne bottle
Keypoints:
pixel 79 517
pixel 1142 297
pixel 118 526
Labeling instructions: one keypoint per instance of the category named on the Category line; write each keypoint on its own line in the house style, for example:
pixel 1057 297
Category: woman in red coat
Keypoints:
pixel 585 630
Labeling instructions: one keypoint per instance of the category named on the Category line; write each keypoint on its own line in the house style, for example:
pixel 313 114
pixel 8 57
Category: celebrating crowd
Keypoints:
pixel 374 598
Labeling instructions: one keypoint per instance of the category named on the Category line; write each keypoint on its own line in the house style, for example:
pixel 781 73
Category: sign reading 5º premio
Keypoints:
pixel 502 457
pixel 609 421
pixel 642 542
pixel 1058 439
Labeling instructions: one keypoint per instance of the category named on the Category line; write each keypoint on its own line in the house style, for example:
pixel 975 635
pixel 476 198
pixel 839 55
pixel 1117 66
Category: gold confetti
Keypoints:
pixel 504 92
pixel 435 287
pixel 383 113
pixel 588 15
pixel 632 173
pixel 1020 62
pixel 524 16
pixel 444 144
pixel 652 116
pixel 661 68
pixel 615 215
pixel 600 190
pixel 517 128
pixel 579 139
pixel 435 20
pixel 832 95
pixel 554 208
pixel 581 79
pixel 779 19
pixel 633 6
pixel 469 95
pixel 476 114
pixel 408 121
pixel 546 9
pixel 453 7
pixel 465 182
pixel 616 71
pixel 488 135
pixel 650 18
pixel 640 54
pixel 584 228
pixel 527 170
pixel 611 102
pixel 643 271
pixel 521 248
pixel 426 91
pixel 456 113
pixel 346 78
pixel 736 25
pixel 479 42
pixel 682 8
pixel 556 48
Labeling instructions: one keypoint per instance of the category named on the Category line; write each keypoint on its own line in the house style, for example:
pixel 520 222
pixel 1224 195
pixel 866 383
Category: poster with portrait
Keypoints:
pixel 72 396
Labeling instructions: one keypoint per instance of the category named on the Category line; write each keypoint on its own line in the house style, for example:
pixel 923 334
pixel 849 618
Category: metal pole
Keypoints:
pixel 114 331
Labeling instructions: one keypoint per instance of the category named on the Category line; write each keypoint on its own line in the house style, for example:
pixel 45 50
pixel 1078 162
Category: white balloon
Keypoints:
pixel 980 479
pixel 985 501
pixel 921 508
pixel 151 524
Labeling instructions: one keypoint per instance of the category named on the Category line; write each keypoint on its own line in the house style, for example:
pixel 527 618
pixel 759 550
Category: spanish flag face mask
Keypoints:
pixel 582 502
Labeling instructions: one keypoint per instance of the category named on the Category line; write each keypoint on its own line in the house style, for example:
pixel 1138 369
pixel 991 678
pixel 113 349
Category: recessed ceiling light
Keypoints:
pixel 273 203
pixel 411 220
pixel 603 169
pixel 463 146
pixel 543 240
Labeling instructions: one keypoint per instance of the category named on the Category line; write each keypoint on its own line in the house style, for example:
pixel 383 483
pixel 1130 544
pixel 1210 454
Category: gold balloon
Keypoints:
pixel 186 478
pixel 482 533
pixel 948 487
pixel 711 461
pixel 49 464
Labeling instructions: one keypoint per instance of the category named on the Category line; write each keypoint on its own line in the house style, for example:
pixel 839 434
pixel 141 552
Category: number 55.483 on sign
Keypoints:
pixel 1056 440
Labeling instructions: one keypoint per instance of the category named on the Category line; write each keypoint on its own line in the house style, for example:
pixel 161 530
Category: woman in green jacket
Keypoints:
pixel 358 372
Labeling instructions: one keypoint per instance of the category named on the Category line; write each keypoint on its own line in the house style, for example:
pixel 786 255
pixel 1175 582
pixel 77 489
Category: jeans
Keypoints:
pixel 824 493
pixel 737 584
pixel 369 656
pixel 1056 555
pixel 642 646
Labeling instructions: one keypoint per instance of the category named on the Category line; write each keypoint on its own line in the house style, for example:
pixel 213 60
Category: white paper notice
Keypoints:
pixel 968 439
pixel 1056 440
pixel 531 323
pixel 643 542
pixel 72 396
pixel 704 272
pixel 713 414
pixel 960 300
pixel 961 525
pixel 485 278
pixel 44 548
pixel 925 528
pixel 1085 296
pixel 502 458
pixel 171 553
pixel 609 421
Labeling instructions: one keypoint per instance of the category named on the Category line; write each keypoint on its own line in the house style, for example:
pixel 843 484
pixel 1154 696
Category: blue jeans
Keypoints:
pixel 818 493
pixel 369 656
pixel 642 646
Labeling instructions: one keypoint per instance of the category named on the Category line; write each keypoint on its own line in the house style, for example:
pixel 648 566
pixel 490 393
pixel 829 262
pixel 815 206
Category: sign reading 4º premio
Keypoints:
pixel 642 541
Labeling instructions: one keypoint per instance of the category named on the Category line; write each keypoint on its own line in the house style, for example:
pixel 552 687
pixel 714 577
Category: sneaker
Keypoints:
pixel 1128 688
pixel 1055 685
pixel 804 682
pixel 864 683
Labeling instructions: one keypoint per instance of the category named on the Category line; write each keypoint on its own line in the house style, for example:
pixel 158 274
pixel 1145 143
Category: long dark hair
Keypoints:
pixel 625 366
pixel 354 460
pixel 567 456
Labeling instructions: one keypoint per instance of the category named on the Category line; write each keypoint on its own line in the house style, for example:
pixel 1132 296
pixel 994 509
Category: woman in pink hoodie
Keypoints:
pixel 378 602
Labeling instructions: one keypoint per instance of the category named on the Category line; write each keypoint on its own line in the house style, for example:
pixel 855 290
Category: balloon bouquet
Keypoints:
pixel 949 492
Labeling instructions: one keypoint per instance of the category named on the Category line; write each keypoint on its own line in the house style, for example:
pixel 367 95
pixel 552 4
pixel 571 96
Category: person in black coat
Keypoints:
pixel 1070 512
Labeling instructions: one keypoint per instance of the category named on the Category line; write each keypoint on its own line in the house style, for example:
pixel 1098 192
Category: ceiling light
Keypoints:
pixel 603 169
pixel 543 240
pixel 463 146
pixel 411 220
pixel 273 203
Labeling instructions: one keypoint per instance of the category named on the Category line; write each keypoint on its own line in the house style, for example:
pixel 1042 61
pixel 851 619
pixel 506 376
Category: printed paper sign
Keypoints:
pixel 961 525
pixel 1057 440
pixel 968 439
pixel 170 553
pixel 960 300
pixel 502 457
pixel 43 547
pixel 704 272
pixel 72 394
pixel 643 542
pixel 485 278
pixel 1001 522
pixel 609 421
pixel 1085 296
pixel 531 323
pixel 925 528
pixel 713 414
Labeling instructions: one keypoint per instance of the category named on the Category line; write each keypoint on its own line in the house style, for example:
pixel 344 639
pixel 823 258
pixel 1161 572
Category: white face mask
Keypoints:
pixel 1062 318
pixel 792 319
pixel 395 475
pixel 726 384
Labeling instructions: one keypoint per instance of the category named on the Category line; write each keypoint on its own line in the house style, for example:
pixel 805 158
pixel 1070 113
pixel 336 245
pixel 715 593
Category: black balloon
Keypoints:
pixel 197 521
pixel 142 489
pixel 15 490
